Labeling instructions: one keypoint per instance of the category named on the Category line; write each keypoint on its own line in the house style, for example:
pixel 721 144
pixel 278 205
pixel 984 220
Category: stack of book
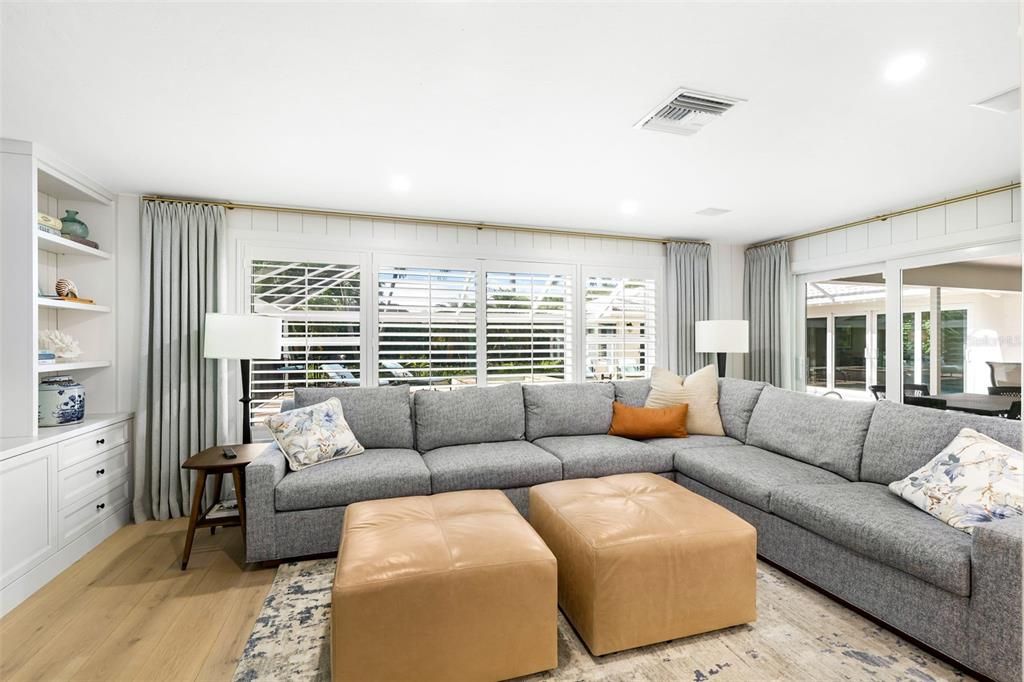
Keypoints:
pixel 47 357
pixel 48 224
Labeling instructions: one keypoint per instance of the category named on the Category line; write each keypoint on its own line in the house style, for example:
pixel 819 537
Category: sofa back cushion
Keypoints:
pixel 567 409
pixel 469 415
pixel 632 392
pixel 903 438
pixel 380 417
pixel 736 401
pixel 821 431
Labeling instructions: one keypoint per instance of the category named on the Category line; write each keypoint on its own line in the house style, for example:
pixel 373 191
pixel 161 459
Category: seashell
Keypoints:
pixel 65 287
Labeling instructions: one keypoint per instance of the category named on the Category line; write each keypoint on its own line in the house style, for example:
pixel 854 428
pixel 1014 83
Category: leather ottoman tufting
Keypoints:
pixel 642 560
pixel 454 586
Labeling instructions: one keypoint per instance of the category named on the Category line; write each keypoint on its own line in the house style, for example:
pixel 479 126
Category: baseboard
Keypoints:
pixel 22 588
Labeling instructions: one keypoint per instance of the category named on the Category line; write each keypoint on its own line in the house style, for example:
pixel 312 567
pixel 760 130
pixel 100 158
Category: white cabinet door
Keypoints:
pixel 28 511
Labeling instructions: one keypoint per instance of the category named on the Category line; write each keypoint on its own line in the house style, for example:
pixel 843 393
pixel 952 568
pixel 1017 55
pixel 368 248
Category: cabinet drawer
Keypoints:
pixel 83 515
pixel 87 477
pixel 83 447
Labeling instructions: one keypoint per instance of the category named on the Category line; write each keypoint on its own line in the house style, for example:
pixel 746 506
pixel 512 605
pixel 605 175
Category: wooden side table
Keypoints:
pixel 212 461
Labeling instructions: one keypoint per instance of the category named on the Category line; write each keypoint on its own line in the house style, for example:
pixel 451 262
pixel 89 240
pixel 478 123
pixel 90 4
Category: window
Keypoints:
pixel 529 327
pixel 620 339
pixel 817 352
pixel 319 306
pixel 427 326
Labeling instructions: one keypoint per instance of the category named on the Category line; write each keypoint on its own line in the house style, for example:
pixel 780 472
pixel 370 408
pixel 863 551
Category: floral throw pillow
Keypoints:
pixel 313 435
pixel 975 479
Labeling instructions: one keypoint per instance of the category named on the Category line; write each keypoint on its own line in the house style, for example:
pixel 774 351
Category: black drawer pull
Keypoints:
pixel 101 505
pixel 100 472
pixel 101 441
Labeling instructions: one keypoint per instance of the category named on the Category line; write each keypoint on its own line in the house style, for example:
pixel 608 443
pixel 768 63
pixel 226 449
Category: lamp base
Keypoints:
pixel 721 364
pixel 246 399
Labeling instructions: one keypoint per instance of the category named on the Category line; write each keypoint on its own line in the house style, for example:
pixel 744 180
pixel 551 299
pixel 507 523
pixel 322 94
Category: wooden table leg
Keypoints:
pixel 238 476
pixel 218 482
pixel 197 507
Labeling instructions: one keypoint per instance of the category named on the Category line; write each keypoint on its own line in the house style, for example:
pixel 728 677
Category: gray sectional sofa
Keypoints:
pixel 810 473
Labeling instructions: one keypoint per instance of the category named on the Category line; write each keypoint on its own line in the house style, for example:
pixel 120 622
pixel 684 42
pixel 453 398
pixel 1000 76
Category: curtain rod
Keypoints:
pixel 886 216
pixel 230 205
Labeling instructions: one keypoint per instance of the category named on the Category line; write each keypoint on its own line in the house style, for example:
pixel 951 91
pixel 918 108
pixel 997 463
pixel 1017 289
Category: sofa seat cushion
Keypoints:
pixel 604 455
pixel 482 466
pixel 749 474
pixel 375 474
pixel 674 444
pixel 870 520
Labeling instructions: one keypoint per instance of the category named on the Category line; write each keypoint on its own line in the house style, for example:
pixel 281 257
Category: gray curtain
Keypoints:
pixel 182 246
pixel 766 306
pixel 689 280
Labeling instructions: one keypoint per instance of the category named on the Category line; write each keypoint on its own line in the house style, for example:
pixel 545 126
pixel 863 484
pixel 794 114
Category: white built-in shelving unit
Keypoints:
pixel 33 260
pixel 62 489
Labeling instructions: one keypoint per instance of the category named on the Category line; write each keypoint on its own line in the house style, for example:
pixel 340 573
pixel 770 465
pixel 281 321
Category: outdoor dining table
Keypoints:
pixel 978 403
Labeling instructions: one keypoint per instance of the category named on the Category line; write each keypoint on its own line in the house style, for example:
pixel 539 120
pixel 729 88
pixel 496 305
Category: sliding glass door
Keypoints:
pixel 850 351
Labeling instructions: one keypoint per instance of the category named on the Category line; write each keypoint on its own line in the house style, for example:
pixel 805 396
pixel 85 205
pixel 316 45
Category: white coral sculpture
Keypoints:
pixel 63 345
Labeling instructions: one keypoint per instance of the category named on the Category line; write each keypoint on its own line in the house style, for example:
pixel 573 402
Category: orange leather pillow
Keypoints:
pixel 648 422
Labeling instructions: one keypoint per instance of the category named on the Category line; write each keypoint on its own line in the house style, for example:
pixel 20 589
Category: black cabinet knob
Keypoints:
pixel 100 472
pixel 101 505
pixel 101 441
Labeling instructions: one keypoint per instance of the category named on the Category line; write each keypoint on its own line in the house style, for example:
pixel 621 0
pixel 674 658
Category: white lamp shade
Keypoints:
pixel 242 337
pixel 723 336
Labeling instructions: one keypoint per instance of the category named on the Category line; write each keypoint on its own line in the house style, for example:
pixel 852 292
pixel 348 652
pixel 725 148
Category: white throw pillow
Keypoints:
pixel 313 435
pixel 975 479
pixel 699 391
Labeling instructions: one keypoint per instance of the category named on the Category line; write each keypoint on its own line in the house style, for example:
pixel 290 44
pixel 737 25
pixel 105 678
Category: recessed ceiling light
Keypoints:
pixel 713 211
pixel 628 207
pixel 904 67
pixel 400 184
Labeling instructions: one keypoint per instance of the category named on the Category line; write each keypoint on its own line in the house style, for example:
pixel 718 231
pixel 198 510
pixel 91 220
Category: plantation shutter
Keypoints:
pixel 529 327
pixel 319 306
pixel 427 326
pixel 620 341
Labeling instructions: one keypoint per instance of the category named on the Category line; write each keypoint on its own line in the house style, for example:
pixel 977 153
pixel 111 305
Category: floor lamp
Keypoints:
pixel 244 338
pixel 721 337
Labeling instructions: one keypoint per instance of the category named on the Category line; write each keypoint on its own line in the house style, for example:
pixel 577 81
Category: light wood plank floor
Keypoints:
pixel 126 611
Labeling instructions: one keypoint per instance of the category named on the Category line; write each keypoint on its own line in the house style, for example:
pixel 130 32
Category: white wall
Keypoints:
pixel 128 255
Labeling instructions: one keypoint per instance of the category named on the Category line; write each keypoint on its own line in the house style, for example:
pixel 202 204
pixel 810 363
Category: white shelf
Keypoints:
pixel 70 305
pixel 70 365
pixel 52 243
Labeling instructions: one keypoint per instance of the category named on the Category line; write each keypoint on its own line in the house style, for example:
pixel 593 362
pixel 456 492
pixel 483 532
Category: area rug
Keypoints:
pixel 800 634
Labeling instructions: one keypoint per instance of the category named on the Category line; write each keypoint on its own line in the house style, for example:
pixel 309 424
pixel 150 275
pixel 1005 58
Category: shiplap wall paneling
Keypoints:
pixel 988 219
pixel 465 240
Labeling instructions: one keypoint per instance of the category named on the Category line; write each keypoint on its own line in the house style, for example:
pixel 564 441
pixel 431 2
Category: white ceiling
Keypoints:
pixel 523 113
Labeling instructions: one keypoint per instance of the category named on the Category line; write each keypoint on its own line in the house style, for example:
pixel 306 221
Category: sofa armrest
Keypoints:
pixel 995 613
pixel 261 478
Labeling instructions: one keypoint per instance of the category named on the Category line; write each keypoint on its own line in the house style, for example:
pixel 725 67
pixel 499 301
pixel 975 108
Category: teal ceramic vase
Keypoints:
pixel 72 226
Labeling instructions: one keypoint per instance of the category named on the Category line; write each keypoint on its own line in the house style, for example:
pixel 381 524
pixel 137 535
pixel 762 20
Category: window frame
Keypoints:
pixel 533 268
pixel 624 272
pixel 247 253
pixel 557 254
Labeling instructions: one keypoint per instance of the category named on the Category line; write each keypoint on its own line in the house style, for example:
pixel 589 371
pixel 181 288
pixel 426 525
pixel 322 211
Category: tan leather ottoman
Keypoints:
pixel 455 586
pixel 642 560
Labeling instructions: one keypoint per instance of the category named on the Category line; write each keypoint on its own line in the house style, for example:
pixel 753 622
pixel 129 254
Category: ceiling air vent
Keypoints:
pixel 687 111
